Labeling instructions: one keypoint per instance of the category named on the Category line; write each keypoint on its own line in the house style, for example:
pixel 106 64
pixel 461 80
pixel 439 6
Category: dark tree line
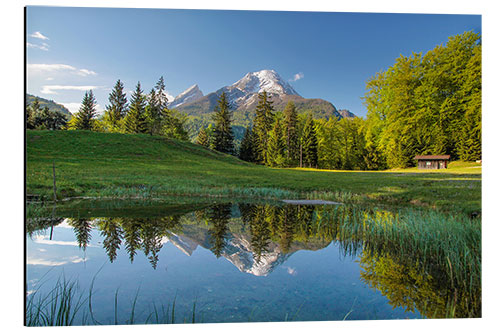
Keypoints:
pixel 287 139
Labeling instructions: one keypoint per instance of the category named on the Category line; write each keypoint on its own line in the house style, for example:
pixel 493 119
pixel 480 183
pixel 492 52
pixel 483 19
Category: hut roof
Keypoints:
pixel 432 157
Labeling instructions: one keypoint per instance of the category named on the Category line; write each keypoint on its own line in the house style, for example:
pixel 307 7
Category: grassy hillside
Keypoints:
pixel 120 165
pixel 53 106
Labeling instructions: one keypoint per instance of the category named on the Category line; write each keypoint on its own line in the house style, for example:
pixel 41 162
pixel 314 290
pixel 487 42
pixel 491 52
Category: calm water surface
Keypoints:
pixel 233 262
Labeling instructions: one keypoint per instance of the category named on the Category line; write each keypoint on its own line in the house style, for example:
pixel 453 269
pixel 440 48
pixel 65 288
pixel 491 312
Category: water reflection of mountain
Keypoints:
pixel 258 238
pixel 238 250
pixel 254 238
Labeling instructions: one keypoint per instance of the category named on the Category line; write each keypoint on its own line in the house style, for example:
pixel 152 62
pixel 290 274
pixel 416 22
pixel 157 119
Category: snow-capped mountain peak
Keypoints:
pixel 191 94
pixel 244 92
pixel 264 80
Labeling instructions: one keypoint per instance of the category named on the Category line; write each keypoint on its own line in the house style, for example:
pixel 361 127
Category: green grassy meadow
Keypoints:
pixel 92 164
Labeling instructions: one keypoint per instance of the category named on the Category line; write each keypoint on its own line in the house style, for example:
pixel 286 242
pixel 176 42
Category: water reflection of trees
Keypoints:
pixel 82 229
pixel 218 217
pixel 144 234
pixel 389 262
pixel 415 278
pixel 406 286
pixel 40 224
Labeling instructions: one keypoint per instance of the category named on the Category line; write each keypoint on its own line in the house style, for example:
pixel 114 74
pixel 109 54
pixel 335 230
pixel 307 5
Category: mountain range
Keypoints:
pixel 238 249
pixel 243 98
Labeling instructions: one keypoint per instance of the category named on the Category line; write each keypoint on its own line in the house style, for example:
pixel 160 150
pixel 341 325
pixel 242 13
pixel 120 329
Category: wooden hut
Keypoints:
pixel 432 161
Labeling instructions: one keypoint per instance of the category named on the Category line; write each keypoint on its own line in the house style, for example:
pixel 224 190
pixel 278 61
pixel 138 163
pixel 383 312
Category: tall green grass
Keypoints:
pixel 442 244
pixel 59 307
pixel 67 305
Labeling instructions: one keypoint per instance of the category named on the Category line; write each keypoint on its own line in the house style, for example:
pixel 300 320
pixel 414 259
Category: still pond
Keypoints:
pixel 220 262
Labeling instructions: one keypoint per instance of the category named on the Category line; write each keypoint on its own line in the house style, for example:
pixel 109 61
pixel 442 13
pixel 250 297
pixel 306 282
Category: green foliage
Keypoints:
pixel 84 119
pixel 329 145
pixel 173 123
pixel 117 108
pixel 138 165
pixel 291 134
pixel 223 133
pixel 309 144
pixel 422 104
pixel 247 151
pixel 262 124
pixel 161 95
pixel 135 120
pixel 203 138
pixel 156 111
pixel 38 118
pixel 276 145
pixel 469 140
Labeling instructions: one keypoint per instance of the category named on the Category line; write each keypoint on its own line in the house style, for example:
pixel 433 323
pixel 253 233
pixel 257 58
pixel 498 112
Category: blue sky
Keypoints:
pixel 73 49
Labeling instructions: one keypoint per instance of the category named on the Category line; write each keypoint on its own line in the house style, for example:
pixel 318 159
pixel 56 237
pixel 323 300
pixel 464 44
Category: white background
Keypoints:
pixel 12 161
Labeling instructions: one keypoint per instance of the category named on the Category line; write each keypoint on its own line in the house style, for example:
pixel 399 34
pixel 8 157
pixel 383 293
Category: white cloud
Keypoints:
pixel 76 260
pixel 50 79
pixel 169 96
pixel 297 77
pixel 38 34
pixel 49 67
pixel 52 89
pixel 43 262
pixel 75 107
pixel 42 239
pixel 44 68
pixel 43 46
pixel 86 72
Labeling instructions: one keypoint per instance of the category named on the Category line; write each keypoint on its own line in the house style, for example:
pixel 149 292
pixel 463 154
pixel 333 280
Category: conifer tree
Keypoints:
pixel 210 131
pixel 275 153
pixel 31 112
pixel 117 108
pixel 309 144
pixel 247 146
pixel 291 134
pixel 135 121
pixel 153 114
pixel 85 117
pixel 173 123
pixel 161 94
pixel 262 124
pixel 50 120
pixel 157 112
pixel 203 138
pixel 223 133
